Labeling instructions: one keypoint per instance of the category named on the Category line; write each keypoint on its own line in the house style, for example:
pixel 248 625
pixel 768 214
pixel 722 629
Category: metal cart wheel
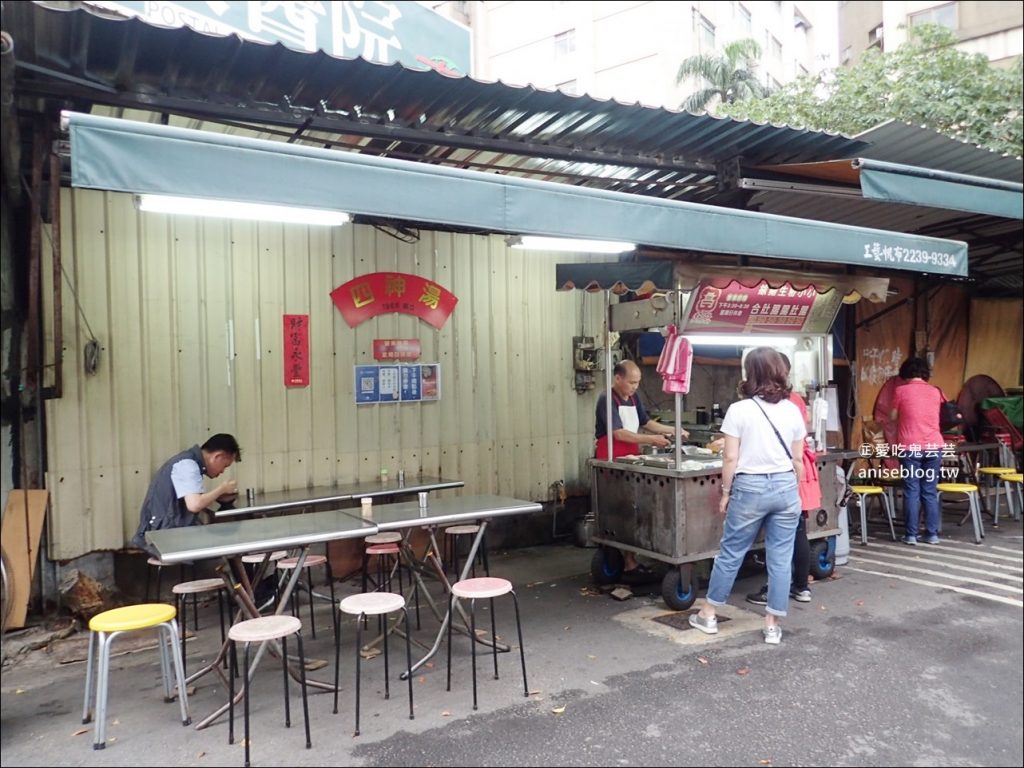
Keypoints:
pixel 823 557
pixel 606 565
pixel 679 587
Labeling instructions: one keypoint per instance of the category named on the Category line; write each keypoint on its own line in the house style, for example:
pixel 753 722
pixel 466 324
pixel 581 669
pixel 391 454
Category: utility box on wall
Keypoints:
pixel 586 358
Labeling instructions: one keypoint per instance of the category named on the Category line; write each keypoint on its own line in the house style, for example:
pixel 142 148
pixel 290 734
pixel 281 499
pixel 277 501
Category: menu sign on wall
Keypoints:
pixel 737 308
pixel 397 383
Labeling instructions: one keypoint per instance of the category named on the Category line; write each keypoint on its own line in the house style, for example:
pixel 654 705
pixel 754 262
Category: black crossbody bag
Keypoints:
pixel 781 441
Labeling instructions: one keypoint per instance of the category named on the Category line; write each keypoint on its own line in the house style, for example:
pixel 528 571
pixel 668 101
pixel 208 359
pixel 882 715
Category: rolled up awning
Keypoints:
pixel 127 156
pixel 617 277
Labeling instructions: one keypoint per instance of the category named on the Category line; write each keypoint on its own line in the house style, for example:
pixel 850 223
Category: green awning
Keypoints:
pixel 896 183
pixel 136 157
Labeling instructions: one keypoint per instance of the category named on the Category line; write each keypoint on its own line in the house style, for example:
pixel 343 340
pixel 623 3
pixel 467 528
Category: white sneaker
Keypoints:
pixel 772 634
pixel 801 596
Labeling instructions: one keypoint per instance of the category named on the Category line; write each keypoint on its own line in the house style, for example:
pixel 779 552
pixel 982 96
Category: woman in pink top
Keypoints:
pixel 915 409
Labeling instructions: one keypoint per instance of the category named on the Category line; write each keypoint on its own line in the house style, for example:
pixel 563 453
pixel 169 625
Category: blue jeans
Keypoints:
pixel 920 481
pixel 755 500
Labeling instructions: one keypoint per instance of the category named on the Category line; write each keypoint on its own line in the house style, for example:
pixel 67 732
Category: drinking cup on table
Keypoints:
pixel 367 503
pixel 423 499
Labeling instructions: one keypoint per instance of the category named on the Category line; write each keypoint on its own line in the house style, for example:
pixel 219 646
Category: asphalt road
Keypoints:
pixel 911 657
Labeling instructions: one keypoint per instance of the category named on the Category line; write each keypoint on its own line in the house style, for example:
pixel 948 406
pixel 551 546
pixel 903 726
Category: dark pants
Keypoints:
pixel 801 557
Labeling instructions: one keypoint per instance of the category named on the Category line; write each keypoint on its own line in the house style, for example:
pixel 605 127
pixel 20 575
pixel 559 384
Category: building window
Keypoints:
pixel 943 15
pixel 776 49
pixel 847 55
pixel 745 24
pixel 565 43
pixel 705 33
pixel 875 36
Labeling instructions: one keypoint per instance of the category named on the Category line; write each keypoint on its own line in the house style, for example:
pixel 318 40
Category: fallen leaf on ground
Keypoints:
pixel 702 660
pixel 568 628
pixel 859 603
pixel 535 692
pixel 19 690
pixel 446 713
pixel 80 731
pixel 591 656
pixel 593 683
pixel 534 584
pixel 370 653
pixel 558 710
pixel 429 665
pixel 423 679
pixel 201 754
pixel 765 762
pixel 742 671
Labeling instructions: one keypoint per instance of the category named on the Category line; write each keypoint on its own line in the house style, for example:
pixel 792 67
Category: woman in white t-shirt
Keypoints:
pixel 763 463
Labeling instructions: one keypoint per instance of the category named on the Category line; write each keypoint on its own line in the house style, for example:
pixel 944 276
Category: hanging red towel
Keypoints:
pixel 675 363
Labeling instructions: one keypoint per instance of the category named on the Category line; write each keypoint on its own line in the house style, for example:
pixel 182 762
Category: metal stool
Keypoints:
pixel 196 588
pixel 1009 480
pixel 260 630
pixel 989 482
pixel 361 606
pixel 385 546
pixel 451 544
pixel 288 563
pixel 255 560
pixel 103 628
pixel 474 589
pixel 974 505
pixel 866 491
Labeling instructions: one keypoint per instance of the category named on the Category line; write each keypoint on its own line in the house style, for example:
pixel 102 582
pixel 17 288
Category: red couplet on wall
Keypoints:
pixel 378 292
pixel 296 350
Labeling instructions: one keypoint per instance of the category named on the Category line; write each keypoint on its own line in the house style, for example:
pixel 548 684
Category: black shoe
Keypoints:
pixel 759 598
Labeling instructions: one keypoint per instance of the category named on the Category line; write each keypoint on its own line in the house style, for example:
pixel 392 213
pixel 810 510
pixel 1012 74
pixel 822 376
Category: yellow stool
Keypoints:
pixel 1009 480
pixel 974 505
pixel 991 477
pixel 863 492
pixel 103 628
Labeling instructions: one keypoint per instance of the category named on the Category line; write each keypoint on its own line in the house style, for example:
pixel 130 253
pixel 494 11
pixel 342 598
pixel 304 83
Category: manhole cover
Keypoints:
pixel 680 619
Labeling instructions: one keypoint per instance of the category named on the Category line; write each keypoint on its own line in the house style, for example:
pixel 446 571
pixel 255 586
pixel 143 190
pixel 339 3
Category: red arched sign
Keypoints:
pixel 370 295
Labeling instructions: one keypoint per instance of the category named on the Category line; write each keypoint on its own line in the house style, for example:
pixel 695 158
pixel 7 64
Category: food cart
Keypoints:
pixel 664 506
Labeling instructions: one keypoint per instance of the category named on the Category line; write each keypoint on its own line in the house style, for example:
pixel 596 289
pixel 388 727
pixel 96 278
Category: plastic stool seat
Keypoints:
pixel 258 558
pixel 867 490
pixel 957 488
pixel 264 628
pixel 995 470
pixel 388 537
pixel 482 587
pixel 461 530
pixel 311 560
pixel 198 586
pixel 372 603
pixel 132 617
pixel 1013 477
pixel 382 549
pixel 155 561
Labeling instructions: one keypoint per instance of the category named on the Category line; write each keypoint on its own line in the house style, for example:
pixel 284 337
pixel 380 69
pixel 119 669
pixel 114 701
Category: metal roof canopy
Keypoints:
pixel 126 156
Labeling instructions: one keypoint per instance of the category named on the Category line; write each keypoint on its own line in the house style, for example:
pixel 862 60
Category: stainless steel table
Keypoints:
pixel 232 539
pixel 463 509
pixel 297 498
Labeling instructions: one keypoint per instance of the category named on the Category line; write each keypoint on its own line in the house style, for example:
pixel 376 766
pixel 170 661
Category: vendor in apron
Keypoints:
pixel 631 429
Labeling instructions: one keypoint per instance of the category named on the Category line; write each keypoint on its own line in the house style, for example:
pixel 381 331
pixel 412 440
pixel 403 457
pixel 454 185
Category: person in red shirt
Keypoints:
pixel 915 410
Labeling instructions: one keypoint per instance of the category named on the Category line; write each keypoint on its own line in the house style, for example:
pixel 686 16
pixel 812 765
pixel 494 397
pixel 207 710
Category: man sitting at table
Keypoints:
pixel 176 497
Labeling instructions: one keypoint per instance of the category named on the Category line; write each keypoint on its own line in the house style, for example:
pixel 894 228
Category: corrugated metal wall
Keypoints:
pixel 189 316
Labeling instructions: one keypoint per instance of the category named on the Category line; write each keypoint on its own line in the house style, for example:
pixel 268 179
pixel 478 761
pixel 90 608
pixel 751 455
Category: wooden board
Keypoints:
pixel 22 526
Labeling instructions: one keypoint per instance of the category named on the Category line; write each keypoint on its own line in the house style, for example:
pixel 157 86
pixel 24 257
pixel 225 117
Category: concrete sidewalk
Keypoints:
pixel 874 671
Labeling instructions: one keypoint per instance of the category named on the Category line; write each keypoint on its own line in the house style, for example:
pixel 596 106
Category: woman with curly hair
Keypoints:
pixel 761 469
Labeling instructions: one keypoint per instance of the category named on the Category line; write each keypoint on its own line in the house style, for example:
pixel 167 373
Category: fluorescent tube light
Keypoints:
pixel 232 209
pixel 739 340
pixel 569 244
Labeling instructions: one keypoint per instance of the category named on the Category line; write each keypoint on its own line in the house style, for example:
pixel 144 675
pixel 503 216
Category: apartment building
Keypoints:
pixel 994 28
pixel 631 51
